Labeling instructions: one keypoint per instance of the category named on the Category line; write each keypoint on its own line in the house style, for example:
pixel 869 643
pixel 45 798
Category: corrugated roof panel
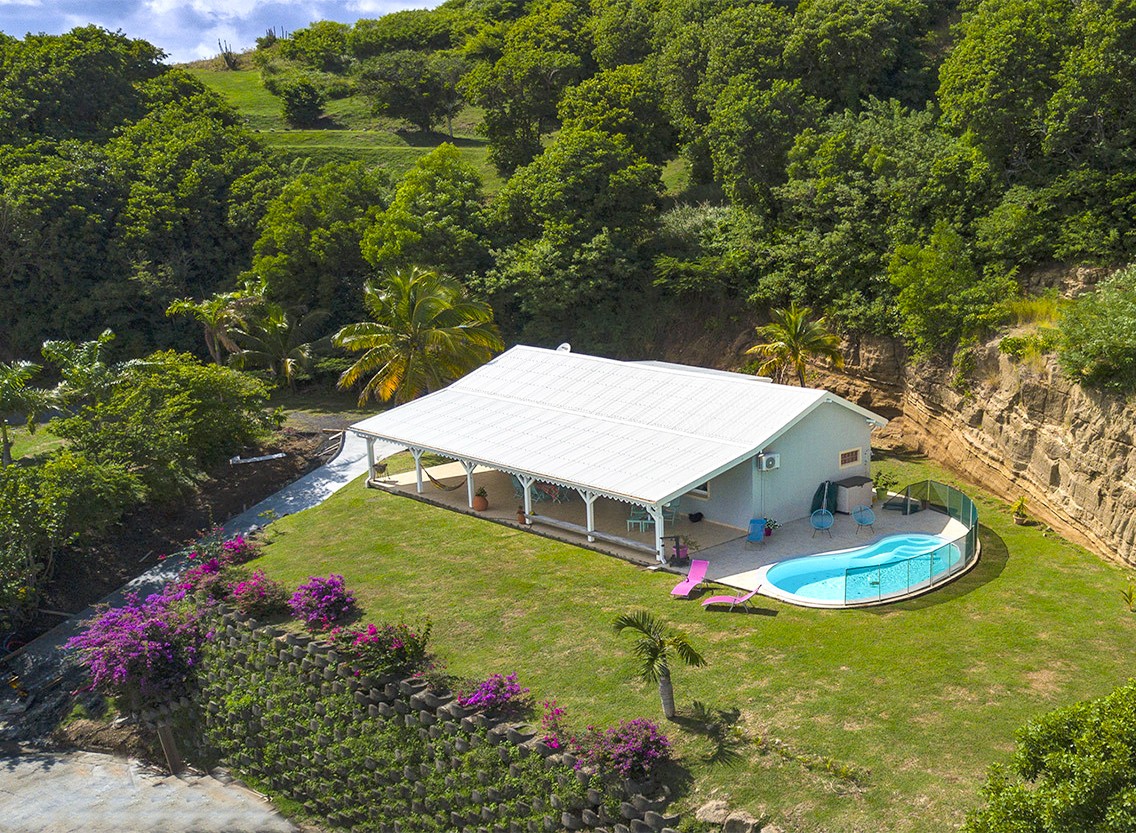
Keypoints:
pixel 638 430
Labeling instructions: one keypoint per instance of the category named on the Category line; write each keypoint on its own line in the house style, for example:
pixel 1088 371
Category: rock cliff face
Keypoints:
pixel 1017 429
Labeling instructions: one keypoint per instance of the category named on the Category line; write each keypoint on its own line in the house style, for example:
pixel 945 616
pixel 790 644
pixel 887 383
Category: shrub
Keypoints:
pixel 633 749
pixel 1097 347
pixel 144 651
pixel 494 694
pixel 258 595
pixel 303 102
pixel 556 735
pixel 390 649
pixel 320 601
pixel 205 576
pixel 238 550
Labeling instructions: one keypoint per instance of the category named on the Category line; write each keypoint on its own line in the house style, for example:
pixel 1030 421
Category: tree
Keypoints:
pixel 1072 771
pixel 322 46
pixel 752 127
pixel 425 332
pixel 791 339
pixel 86 376
pixel 303 101
pixel 308 253
pixel 657 647
pixel 422 88
pixel 279 342
pixel 998 79
pixel 624 100
pixel 18 399
pixel 435 220
pixel 847 50
pixel 942 297
pixel 219 316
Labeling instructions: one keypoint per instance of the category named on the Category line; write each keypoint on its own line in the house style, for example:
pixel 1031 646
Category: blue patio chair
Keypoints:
pixel 864 516
pixel 756 532
pixel 670 510
pixel 822 520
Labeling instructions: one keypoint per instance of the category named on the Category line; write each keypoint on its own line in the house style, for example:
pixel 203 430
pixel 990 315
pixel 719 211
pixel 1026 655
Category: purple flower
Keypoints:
pixel 493 693
pixel 633 749
pixel 320 601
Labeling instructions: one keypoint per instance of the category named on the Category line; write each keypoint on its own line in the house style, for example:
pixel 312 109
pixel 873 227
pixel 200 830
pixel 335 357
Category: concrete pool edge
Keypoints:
pixel 774 592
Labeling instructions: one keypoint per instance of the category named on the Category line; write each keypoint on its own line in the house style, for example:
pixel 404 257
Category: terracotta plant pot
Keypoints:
pixel 480 504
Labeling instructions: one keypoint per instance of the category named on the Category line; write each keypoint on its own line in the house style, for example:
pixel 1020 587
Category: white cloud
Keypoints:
pixel 223 9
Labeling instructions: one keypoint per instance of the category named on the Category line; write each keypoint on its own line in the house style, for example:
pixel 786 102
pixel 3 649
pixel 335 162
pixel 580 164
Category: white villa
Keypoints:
pixel 661 438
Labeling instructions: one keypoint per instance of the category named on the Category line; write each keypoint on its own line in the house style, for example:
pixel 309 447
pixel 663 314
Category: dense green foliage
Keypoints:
pixel 1072 771
pixel 1098 334
pixel 889 163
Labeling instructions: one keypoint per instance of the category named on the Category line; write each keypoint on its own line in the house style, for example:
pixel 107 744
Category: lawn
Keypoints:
pixel 26 444
pixel 351 130
pixel 868 720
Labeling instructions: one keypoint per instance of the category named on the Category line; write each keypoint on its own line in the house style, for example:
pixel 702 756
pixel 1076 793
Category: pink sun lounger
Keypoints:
pixel 694 578
pixel 732 601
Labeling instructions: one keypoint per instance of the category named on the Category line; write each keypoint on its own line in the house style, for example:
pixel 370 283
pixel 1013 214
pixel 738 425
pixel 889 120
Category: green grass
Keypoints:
pixel 352 132
pixel 261 109
pixel 921 696
pixel 28 445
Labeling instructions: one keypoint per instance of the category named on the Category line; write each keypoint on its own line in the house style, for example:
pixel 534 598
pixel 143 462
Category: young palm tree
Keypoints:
pixel 278 342
pixel 18 398
pixel 656 646
pixel 220 316
pixel 791 339
pixel 426 333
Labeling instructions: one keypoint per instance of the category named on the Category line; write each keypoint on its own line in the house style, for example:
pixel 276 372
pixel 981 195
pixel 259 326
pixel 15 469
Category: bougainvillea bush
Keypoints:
pixel 385 649
pixel 556 735
pixel 320 601
pixel 257 595
pixel 633 749
pixel 494 694
pixel 144 651
pixel 205 577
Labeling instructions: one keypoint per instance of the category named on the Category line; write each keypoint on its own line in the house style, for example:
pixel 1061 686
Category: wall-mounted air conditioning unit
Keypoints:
pixel 768 462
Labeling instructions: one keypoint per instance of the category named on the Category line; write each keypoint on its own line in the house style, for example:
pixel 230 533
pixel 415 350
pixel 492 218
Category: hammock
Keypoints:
pixel 441 485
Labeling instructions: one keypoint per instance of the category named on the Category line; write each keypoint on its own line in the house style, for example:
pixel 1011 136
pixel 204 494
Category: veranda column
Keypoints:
pixel 417 453
pixel 527 482
pixel 370 459
pixel 590 502
pixel 656 513
pixel 469 466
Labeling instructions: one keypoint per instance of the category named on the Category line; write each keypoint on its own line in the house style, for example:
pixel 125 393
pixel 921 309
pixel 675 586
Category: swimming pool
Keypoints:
pixel 889 567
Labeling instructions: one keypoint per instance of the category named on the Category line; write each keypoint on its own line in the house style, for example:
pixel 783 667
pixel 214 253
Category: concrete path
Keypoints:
pixel 85 792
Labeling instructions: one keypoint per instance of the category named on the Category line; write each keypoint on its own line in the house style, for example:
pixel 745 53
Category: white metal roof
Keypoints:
pixel 639 431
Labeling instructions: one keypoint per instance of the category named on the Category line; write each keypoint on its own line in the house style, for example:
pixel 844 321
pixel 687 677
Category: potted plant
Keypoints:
pixel 520 514
pixel 480 500
pixel 770 525
pixel 884 481
pixel 1018 508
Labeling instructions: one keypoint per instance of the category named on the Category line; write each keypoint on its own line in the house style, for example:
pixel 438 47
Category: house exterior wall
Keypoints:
pixel 810 454
pixel 730 499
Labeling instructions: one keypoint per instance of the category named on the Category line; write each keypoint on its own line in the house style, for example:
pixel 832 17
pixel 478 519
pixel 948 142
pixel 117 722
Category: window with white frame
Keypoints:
pixel 702 491
pixel 850 457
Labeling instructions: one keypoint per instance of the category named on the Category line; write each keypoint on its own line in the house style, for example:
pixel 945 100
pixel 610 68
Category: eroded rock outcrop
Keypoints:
pixel 1015 427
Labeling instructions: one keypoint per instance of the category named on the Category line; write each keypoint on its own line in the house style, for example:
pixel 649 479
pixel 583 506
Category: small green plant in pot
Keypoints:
pixel 480 500
pixel 1018 509
pixel 884 481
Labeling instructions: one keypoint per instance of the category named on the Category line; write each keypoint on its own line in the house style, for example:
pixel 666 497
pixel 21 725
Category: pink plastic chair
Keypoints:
pixel 732 601
pixel 694 578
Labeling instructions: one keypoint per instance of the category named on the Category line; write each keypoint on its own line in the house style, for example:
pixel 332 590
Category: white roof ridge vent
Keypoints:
pixel 564 348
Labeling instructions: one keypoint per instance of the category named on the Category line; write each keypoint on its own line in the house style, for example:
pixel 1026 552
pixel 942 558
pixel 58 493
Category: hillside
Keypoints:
pixel 347 130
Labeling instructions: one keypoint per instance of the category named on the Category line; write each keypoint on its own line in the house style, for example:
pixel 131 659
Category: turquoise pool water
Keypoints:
pixel 887 567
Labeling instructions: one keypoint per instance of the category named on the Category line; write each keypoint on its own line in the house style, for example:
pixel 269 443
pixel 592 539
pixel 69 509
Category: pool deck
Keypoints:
pixel 733 562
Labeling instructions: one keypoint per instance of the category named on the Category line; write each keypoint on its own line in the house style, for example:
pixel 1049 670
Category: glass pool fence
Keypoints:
pixel 904 576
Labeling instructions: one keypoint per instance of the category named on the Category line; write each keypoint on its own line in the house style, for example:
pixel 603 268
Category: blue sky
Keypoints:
pixel 188 29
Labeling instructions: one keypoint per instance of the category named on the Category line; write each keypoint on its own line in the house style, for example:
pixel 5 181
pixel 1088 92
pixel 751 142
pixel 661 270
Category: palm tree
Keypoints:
pixel 278 342
pixel 18 398
pixel 220 316
pixel 791 339
pixel 426 333
pixel 656 646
